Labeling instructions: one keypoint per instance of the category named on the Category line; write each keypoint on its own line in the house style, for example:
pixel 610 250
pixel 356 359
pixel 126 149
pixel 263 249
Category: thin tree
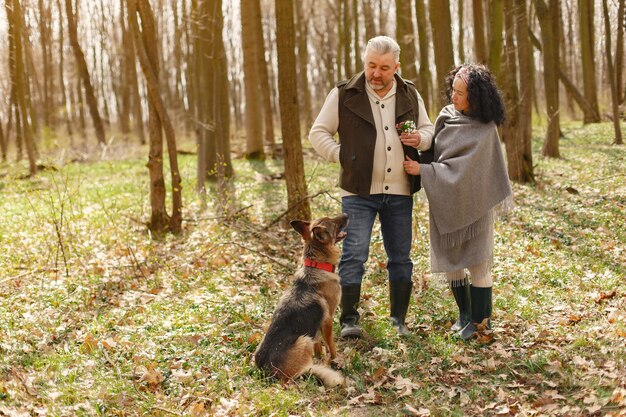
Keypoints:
pixel 480 44
pixel 611 74
pixel 357 37
pixel 406 39
pixel 495 36
pixel 619 51
pixel 587 53
pixel 14 17
pixel 461 38
pixel 46 56
pixel 303 63
pixel 146 46
pixel 441 25
pixel 64 99
pixel 515 136
pixel 124 100
pixel 545 15
pixel 425 78
pixel 253 118
pixel 264 78
pixel 297 199
pixel 222 108
pixel 83 72
pixel 3 144
pixel 525 172
pixel 370 23
pixel 346 37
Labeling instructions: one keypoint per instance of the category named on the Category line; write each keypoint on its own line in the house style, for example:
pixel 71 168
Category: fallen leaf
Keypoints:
pixel 411 411
pixel 197 410
pixel 109 344
pixel 90 343
pixel 379 372
pixel 152 377
pixel 606 295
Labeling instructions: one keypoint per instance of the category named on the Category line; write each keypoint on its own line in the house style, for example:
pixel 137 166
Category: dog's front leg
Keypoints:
pixel 317 348
pixel 327 332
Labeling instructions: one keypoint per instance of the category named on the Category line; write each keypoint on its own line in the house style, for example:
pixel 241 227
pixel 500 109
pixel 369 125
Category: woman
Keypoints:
pixel 466 185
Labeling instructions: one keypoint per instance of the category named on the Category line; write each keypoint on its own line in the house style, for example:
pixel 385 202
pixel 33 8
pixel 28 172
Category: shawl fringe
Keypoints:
pixel 459 280
pixel 458 237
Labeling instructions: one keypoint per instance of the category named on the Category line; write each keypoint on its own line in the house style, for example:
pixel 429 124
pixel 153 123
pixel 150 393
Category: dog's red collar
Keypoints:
pixel 319 265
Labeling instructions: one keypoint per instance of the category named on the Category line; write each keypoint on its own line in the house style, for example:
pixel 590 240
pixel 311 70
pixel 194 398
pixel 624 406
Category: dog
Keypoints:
pixel 304 315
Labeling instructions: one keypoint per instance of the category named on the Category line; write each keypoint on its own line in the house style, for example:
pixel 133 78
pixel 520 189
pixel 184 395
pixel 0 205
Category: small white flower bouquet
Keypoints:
pixel 408 126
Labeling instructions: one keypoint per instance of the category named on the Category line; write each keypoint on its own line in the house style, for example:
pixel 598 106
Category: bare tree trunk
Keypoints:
pixel 83 71
pixel 46 55
pixel 619 53
pixel 406 40
pixel 14 17
pixel 525 173
pixel 441 24
pixel 297 199
pixel 222 93
pixel 495 38
pixel 146 46
pixel 370 24
pixel 253 116
pixel 303 61
pixel 425 78
pixel 340 40
pixel 612 77
pixel 266 91
pixel 78 105
pixel 550 43
pixel 346 37
pixel 587 45
pixel 461 38
pixel 124 111
pixel 19 133
pixel 64 99
pixel 198 71
pixel 480 45
pixel 516 130
pixel 3 144
pixel 357 41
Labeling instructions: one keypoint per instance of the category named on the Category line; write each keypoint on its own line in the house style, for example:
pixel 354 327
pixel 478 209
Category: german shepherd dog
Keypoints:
pixel 304 315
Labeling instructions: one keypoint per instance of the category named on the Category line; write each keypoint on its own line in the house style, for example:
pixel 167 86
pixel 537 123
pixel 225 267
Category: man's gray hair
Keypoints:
pixel 383 45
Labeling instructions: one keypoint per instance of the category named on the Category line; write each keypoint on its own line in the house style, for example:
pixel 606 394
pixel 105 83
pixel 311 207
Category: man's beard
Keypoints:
pixel 376 86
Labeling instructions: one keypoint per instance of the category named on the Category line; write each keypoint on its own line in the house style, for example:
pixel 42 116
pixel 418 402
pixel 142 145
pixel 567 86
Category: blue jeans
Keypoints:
pixel 395 215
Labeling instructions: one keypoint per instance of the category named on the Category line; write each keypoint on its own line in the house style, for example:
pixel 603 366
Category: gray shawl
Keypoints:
pixel 467 178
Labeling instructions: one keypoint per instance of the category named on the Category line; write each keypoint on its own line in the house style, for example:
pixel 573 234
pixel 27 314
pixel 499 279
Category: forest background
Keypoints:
pixel 128 291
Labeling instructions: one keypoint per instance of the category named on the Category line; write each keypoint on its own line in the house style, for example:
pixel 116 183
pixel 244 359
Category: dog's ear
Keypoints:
pixel 322 235
pixel 302 227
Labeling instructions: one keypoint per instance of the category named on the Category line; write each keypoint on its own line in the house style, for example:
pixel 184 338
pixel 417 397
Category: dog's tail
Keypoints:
pixel 328 376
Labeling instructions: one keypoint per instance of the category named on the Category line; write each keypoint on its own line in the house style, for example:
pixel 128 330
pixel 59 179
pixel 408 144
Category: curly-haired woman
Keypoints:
pixel 466 185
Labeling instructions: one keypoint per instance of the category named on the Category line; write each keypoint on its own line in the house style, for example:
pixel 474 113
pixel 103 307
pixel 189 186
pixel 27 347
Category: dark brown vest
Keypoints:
pixel 357 132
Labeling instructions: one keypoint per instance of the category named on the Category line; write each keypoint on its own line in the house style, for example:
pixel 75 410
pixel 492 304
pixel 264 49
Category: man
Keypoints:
pixel 365 111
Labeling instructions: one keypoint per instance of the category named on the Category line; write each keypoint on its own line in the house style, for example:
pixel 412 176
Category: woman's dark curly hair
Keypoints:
pixel 485 101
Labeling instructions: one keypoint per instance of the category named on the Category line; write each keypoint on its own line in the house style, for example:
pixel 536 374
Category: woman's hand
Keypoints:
pixel 411 139
pixel 410 166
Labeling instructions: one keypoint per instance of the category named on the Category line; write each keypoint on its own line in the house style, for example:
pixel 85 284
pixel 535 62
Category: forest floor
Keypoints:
pixel 100 318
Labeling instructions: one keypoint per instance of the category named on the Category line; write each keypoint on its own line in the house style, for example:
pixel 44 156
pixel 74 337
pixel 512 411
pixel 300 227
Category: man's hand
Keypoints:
pixel 410 166
pixel 412 139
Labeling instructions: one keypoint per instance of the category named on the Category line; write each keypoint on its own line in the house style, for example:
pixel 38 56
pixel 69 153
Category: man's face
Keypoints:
pixel 379 71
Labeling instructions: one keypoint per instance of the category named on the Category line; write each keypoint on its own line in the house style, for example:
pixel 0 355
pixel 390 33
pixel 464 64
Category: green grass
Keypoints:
pixel 100 318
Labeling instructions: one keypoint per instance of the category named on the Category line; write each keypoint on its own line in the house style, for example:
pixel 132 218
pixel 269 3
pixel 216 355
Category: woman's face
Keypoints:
pixel 459 95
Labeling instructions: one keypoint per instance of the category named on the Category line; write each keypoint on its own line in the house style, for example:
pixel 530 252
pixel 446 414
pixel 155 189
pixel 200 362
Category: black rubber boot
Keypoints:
pixel 462 296
pixel 399 299
pixel 349 318
pixel 481 310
